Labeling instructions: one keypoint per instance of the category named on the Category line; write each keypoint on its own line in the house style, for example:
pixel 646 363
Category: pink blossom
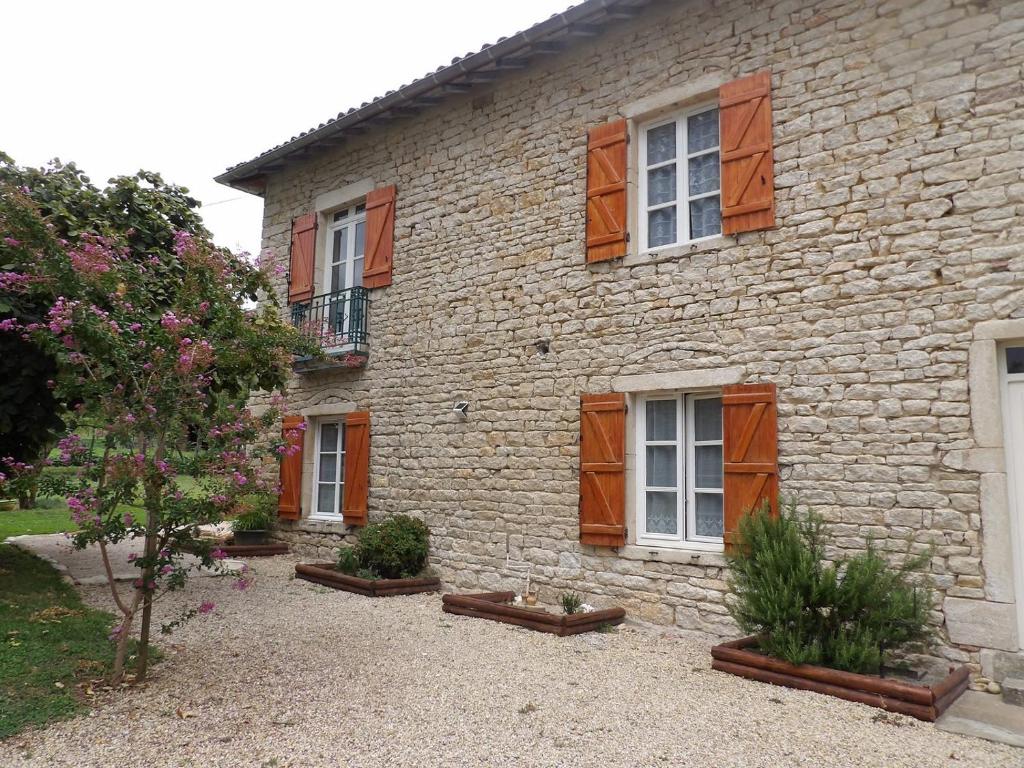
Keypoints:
pixel 166 569
pixel 12 242
pixel 206 607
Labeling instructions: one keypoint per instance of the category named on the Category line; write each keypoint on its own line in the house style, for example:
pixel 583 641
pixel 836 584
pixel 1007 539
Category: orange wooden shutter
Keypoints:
pixel 300 270
pixel 380 237
pixel 289 502
pixel 357 468
pixel 751 452
pixel 748 181
pixel 606 192
pixel 603 470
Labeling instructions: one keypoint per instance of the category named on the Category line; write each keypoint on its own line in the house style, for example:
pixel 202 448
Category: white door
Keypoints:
pixel 1012 365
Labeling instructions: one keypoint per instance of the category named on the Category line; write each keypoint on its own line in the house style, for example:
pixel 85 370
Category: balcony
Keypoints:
pixel 337 322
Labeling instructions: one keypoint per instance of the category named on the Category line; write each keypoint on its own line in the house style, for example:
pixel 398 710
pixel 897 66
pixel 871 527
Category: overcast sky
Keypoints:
pixel 188 88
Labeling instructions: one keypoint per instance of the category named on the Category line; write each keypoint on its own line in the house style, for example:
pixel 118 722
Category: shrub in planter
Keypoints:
pixel 845 615
pixel 257 517
pixel 348 561
pixel 571 603
pixel 395 548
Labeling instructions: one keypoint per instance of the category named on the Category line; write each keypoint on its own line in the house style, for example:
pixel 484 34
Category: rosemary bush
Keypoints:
pixel 845 615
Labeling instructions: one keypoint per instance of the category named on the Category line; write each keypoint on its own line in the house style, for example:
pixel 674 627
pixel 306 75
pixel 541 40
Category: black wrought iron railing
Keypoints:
pixel 336 321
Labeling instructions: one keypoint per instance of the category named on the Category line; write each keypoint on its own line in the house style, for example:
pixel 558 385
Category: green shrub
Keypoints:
pixel 348 561
pixel 258 512
pixel 395 548
pixel 845 615
pixel 571 602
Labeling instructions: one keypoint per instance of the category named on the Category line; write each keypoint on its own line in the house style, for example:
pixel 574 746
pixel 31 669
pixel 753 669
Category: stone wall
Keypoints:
pixel 899 148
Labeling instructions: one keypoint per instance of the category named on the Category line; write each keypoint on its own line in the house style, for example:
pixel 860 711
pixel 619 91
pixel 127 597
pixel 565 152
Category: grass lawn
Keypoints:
pixel 49 641
pixel 51 516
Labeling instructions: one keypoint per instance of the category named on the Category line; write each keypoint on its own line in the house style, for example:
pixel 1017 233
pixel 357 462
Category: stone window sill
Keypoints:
pixel 322 526
pixel 633 259
pixel 676 556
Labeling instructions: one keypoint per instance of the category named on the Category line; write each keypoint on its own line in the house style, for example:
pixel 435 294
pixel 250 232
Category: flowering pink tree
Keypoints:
pixel 160 356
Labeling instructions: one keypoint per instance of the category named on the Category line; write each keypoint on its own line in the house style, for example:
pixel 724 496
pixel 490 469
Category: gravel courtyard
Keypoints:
pixel 293 674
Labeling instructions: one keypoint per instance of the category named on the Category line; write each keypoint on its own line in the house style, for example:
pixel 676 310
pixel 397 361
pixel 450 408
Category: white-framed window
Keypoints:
pixel 346 240
pixel 679 470
pixel 343 269
pixel 679 179
pixel 329 470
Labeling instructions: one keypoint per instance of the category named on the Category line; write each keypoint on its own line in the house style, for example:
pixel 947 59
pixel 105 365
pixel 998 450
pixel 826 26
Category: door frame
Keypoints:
pixel 1014 486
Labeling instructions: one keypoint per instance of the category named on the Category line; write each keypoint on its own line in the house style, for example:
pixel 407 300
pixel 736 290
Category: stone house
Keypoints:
pixel 590 293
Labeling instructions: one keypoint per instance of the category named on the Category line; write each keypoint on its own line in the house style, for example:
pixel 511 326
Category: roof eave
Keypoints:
pixel 251 176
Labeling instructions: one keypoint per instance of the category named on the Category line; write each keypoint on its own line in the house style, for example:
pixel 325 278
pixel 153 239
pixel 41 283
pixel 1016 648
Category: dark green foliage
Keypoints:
pixel 348 561
pixel 141 211
pixel 395 548
pixel 844 615
pixel 258 512
pixel 571 602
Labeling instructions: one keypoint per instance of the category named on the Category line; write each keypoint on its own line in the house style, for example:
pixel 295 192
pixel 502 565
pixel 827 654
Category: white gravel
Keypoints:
pixel 293 674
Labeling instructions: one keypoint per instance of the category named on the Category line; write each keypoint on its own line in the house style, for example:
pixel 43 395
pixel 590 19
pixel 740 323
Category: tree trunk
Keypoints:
pixel 122 650
pixel 147 599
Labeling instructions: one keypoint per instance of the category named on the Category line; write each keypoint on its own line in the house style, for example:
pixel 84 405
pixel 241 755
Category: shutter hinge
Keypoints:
pixel 627 237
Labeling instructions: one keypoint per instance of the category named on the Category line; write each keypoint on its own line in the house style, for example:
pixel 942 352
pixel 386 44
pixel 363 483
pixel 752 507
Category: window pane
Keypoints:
pixel 357 272
pixel 703 173
pixel 340 243
pixel 336 279
pixel 661 143
pixel 329 437
pixel 328 467
pixel 661 466
pixel 702 131
pixel 1015 360
pixel 335 324
pixel 661 419
pixel 325 498
pixel 707 460
pixel 661 227
pixel 705 217
pixel 361 238
pixel 707 418
pixel 661 513
pixel 661 185
pixel 708 514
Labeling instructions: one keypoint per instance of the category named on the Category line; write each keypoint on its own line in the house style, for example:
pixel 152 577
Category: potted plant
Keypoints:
pixel 827 627
pixel 253 525
pixel 390 558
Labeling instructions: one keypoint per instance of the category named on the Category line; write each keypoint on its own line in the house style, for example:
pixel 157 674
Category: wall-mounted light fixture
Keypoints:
pixel 461 408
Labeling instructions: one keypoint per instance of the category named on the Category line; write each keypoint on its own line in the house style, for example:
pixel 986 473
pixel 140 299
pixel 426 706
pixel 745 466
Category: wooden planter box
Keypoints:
pixel 250 550
pixel 327 575
pixel 496 606
pixel 925 702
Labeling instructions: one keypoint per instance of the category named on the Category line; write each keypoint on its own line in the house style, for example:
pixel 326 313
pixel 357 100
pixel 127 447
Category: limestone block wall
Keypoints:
pixel 899 148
